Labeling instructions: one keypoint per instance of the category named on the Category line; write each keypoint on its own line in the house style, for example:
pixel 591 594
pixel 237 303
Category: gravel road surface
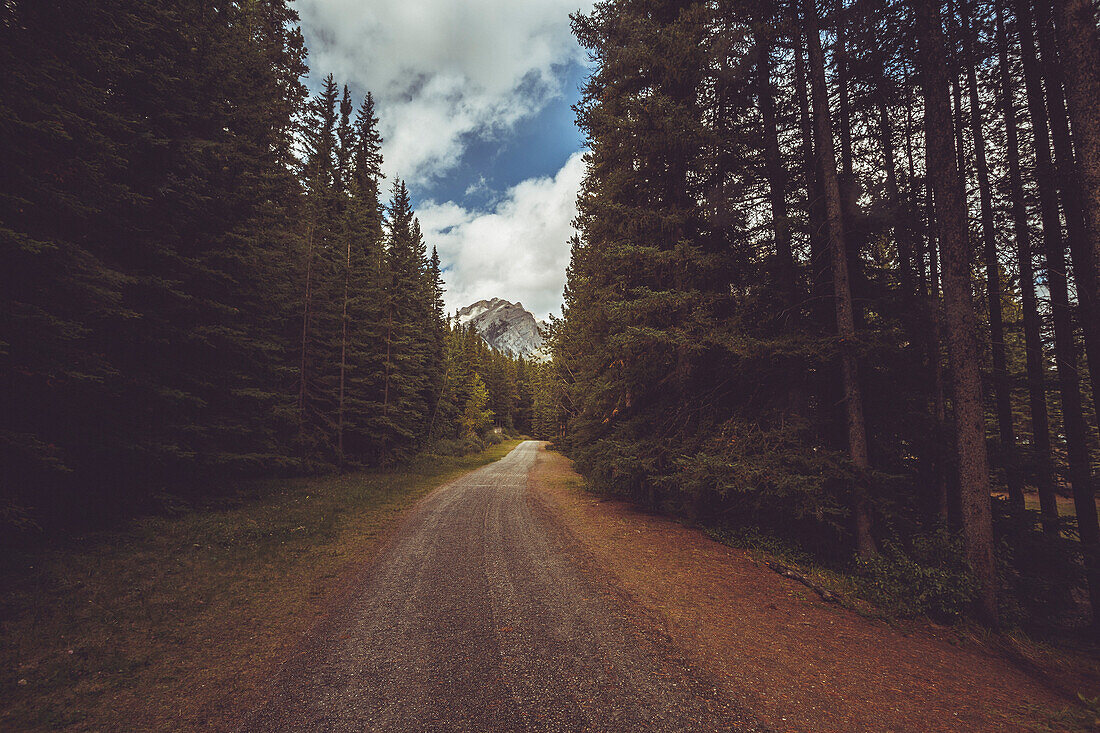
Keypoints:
pixel 483 615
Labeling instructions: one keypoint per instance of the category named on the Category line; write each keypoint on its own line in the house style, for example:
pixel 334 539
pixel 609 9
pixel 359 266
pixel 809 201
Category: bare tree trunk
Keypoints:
pixel 955 63
pixel 947 494
pixel 1033 343
pixel 903 233
pixel 913 193
pixel 1080 47
pixel 962 341
pixel 1084 270
pixel 842 294
pixel 1088 524
pixel 1001 383
pixel 777 177
pixel 917 305
pixel 846 181
pixel 1065 347
pixel 820 271
pixel 776 173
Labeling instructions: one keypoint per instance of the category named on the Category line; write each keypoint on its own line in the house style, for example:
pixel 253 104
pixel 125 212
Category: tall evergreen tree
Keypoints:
pixel 406 385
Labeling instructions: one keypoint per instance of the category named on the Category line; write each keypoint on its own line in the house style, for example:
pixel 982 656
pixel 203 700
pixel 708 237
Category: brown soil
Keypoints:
pixel 799 663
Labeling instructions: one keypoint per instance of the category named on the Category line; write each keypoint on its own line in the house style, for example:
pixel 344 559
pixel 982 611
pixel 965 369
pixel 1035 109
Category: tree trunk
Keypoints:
pixel 919 307
pixel 1033 343
pixel 1001 382
pixel 820 271
pixel 1080 49
pixel 343 358
pixel 305 336
pixel 846 181
pixel 1065 347
pixel 777 177
pixel 947 494
pixel 913 192
pixel 1080 247
pixel 1084 272
pixel 962 341
pixel 903 230
pixel 842 294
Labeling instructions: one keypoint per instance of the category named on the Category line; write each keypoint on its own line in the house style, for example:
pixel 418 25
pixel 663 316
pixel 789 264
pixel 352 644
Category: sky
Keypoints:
pixel 473 98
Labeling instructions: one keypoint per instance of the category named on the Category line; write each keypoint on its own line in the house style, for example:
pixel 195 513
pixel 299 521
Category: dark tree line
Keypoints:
pixel 837 277
pixel 201 281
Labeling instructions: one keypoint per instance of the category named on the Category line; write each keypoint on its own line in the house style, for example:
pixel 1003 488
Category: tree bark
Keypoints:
pixel 962 341
pixel 842 294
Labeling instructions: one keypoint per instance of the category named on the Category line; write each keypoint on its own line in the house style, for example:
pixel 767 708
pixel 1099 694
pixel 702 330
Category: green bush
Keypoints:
pixel 929 578
pixel 754 540
pixel 459 446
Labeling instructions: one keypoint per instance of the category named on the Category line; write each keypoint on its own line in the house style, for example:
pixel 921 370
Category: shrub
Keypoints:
pixel 930 579
pixel 754 540
pixel 458 446
pixel 1041 574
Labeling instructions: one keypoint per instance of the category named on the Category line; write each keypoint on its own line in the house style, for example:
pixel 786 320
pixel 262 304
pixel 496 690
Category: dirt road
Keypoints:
pixel 482 615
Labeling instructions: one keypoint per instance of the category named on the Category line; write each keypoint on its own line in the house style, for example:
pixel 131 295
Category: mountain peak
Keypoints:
pixel 505 326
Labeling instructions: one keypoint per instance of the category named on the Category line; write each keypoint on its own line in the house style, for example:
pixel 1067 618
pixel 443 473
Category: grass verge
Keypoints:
pixel 175 622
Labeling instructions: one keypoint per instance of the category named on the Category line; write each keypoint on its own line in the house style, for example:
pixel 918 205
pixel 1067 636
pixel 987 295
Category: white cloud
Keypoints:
pixel 517 252
pixel 442 70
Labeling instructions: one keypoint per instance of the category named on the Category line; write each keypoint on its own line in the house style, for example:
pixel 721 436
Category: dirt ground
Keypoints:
pixel 799 663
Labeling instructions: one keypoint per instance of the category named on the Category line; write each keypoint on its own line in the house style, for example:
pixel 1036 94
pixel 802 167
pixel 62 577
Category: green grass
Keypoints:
pixel 174 622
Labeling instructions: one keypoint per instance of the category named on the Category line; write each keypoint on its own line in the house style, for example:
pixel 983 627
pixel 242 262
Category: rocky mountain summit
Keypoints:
pixel 506 327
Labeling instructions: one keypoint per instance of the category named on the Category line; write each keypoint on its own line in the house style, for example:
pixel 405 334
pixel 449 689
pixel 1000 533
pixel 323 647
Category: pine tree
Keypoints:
pixel 160 203
pixel 318 385
pixel 367 290
pixel 406 385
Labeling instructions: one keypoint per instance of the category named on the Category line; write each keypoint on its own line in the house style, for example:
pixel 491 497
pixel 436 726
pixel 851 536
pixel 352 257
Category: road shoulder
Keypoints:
pixel 797 662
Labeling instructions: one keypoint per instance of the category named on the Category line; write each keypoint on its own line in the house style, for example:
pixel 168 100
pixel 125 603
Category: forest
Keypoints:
pixel 202 282
pixel 835 280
